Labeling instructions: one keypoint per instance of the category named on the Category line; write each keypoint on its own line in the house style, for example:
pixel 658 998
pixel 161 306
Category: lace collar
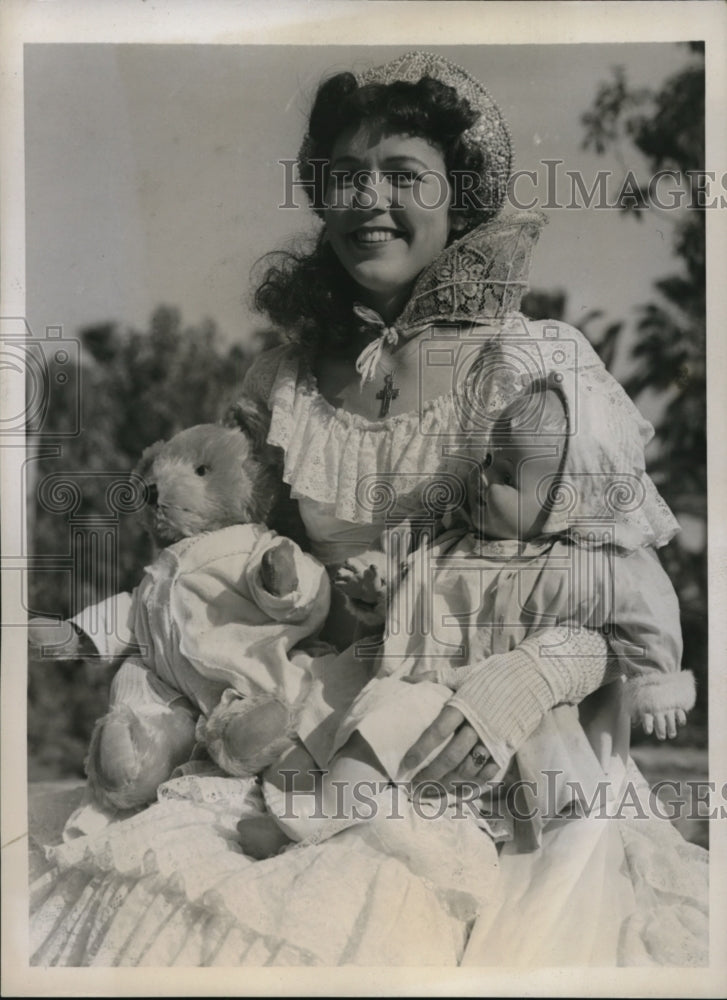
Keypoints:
pixel 480 277
pixel 457 525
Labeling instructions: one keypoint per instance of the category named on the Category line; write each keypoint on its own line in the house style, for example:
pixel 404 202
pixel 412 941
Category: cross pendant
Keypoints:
pixel 387 394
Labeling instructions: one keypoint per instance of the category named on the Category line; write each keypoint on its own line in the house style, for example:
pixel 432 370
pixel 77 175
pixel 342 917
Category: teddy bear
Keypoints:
pixel 211 624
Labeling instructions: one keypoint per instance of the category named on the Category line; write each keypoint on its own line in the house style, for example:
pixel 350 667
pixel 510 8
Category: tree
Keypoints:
pixel 669 354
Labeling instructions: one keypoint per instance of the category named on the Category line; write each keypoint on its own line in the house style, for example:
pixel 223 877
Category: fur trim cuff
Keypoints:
pixel 648 695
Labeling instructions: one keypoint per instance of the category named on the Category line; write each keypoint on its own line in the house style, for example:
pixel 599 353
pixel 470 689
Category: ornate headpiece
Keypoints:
pixel 489 134
pixel 476 279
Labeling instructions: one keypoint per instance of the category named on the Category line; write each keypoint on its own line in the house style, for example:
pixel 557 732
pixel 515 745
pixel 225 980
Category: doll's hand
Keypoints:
pixel 361 582
pixel 463 760
pixel 664 724
pixel 277 570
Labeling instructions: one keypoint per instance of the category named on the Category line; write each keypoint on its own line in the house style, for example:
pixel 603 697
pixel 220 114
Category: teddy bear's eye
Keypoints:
pixel 202 470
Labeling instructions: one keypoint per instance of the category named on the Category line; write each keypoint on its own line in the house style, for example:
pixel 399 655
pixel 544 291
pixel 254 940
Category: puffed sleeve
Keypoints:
pixel 311 592
pixel 232 631
pixel 260 377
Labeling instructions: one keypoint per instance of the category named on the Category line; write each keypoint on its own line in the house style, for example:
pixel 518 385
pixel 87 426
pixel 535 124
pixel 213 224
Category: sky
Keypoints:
pixel 152 173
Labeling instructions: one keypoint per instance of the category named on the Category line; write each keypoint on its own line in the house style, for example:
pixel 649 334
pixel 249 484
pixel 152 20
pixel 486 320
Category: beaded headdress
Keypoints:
pixel 489 134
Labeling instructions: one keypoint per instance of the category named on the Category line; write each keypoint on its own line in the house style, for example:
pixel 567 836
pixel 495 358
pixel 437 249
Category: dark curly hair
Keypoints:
pixel 308 293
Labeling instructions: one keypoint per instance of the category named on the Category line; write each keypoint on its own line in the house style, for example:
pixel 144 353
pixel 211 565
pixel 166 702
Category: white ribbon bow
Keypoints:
pixel 368 360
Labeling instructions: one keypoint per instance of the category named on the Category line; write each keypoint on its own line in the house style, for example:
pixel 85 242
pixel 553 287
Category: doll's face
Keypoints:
pixel 388 212
pixel 504 490
pixel 507 489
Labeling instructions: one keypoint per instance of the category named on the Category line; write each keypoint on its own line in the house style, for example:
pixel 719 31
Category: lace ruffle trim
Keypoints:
pixel 356 467
pixel 361 469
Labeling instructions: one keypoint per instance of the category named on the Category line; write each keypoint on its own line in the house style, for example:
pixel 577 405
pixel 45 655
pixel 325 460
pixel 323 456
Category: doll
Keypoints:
pixel 549 537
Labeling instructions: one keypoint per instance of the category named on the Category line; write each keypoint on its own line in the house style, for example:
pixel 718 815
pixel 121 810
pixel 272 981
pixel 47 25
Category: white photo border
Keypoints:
pixel 354 22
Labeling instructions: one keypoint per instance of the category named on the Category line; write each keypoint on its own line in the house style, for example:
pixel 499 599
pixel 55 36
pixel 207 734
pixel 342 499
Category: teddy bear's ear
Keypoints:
pixel 147 458
pixel 252 420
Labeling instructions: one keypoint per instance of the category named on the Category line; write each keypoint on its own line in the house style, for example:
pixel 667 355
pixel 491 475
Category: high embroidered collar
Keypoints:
pixel 480 277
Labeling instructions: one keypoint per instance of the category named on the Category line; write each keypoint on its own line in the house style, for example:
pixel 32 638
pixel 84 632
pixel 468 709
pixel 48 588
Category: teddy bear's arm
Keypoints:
pixel 231 630
pixel 286 583
pixel 108 625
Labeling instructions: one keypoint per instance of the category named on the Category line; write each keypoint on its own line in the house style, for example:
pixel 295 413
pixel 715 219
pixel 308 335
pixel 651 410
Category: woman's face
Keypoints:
pixel 388 217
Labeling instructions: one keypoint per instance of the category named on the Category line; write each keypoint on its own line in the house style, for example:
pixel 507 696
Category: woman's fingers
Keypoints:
pixel 660 726
pixel 681 717
pixel 648 723
pixel 452 756
pixel 448 720
pixel 468 774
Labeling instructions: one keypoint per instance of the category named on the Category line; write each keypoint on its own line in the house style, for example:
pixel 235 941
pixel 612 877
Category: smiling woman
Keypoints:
pixel 404 343
pixel 387 168
pixel 388 218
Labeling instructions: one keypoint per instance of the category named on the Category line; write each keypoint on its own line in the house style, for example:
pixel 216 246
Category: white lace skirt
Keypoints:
pixel 170 886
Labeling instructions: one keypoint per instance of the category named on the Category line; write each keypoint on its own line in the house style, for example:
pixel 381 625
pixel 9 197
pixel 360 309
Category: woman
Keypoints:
pixel 408 302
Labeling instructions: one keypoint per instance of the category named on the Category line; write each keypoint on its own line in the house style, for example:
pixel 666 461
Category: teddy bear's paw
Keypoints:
pixel 278 571
pixel 132 754
pixel 57 640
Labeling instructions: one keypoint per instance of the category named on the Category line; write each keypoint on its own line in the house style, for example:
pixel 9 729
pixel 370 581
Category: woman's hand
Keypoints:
pixel 463 760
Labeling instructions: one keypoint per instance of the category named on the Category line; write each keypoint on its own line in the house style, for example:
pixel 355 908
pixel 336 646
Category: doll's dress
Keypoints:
pixel 171 886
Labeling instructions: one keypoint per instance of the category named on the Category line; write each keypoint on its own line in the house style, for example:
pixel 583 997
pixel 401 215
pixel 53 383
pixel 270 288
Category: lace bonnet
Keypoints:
pixel 489 134
pixel 602 494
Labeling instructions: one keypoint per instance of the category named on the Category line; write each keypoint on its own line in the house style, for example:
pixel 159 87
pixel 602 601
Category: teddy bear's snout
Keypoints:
pixel 152 494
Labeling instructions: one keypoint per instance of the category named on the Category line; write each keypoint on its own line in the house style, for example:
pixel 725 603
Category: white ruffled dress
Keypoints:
pixel 171 886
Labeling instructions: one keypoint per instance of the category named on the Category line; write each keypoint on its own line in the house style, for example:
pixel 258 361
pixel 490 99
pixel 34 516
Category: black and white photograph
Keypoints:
pixel 353 371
